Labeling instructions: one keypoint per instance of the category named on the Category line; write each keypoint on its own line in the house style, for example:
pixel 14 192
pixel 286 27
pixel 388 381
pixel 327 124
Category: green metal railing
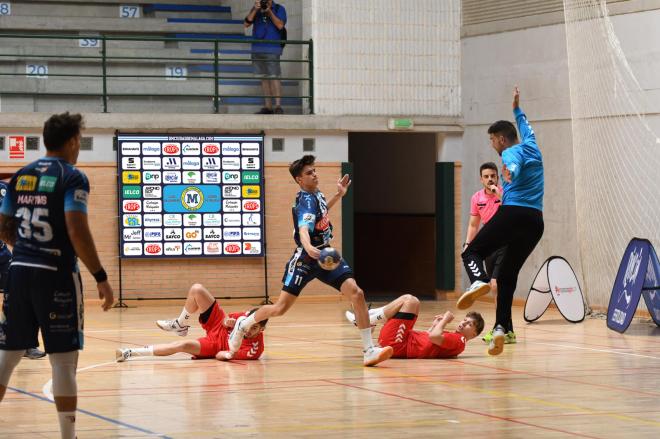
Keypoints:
pixel 105 59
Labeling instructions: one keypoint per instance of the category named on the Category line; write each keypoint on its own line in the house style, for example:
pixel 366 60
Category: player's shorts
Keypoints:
pixel 395 333
pixel 302 268
pixel 494 262
pixel 41 298
pixel 4 273
pixel 211 321
pixel 266 65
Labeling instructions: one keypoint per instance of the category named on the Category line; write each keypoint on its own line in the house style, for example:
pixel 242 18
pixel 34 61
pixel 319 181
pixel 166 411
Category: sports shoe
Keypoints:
pixel 173 326
pixel 122 355
pixel 237 335
pixel 375 355
pixel 34 353
pixel 509 337
pixel 496 345
pixel 476 290
pixel 350 316
pixel 264 110
pixel 278 110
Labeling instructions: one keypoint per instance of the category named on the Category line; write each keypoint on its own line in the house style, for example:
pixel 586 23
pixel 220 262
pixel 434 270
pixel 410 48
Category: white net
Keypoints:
pixel 616 153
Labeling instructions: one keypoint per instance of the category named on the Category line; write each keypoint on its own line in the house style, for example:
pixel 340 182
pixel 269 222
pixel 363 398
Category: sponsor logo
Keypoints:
pixel 251 233
pixel 231 149
pixel 211 163
pixel 250 162
pixel 132 249
pixel 130 163
pixel 172 220
pixel 153 206
pixel 251 248
pixel 132 220
pixel 231 233
pixel 212 248
pixel 232 163
pixel 130 148
pixel 191 163
pixel 251 205
pixel 152 191
pixel 37 200
pixel 173 234
pixel 153 248
pixel 630 276
pixel 618 316
pixel 192 220
pixel 212 235
pixel 151 177
pixel 251 177
pixel 171 148
pixel 249 148
pixel 323 223
pixel 151 163
pixel 192 248
pixel 192 198
pixel 131 177
pixel 192 234
pixel 131 191
pixel 80 196
pixel 211 148
pixel 132 234
pixel 231 205
pixel 153 234
pixel 232 248
pixel 231 219
pixel 47 183
pixel 251 191
pixel 211 177
pixel 152 220
pixel 231 191
pixel 212 219
pixel 171 177
pixel 231 177
pixel 309 217
pixel 172 163
pixel 251 219
pixel 173 248
pixel 132 206
pixel 26 183
pixel 192 177
pixel 151 148
pixel 190 149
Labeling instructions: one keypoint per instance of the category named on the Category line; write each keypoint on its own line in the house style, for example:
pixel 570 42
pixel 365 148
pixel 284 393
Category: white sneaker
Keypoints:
pixel 173 326
pixel 476 290
pixel 373 318
pixel 375 355
pixel 122 355
pixel 496 345
pixel 237 335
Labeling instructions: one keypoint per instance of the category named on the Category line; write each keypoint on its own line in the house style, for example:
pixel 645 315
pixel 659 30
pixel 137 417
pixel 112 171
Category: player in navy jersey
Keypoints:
pixel 44 217
pixel 313 232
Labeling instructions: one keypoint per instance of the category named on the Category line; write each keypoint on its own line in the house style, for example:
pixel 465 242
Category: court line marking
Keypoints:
pixel 608 351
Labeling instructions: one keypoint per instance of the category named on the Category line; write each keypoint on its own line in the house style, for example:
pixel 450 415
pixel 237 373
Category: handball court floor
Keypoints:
pixel 560 380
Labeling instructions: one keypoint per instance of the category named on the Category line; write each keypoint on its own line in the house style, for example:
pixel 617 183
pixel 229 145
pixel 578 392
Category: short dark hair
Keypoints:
pixel 487 165
pixel 478 321
pixel 297 166
pixel 60 128
pixel 261 323
pixel 504 128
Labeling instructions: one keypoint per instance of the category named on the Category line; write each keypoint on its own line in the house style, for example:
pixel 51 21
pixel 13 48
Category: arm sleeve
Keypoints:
pixel 306 211
pixel 526 131
pixel 474 211
pixel 453 343
pixel 281 14
pixel 513 159
pixel 76 192
pixel 251 349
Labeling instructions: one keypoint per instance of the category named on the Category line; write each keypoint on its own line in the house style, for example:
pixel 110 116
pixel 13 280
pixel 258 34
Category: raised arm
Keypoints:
pixel 526 132
pixel 342 188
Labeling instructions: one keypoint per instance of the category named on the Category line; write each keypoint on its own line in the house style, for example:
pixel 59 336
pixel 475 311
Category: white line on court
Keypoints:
pixel 47 389
pixel 592 349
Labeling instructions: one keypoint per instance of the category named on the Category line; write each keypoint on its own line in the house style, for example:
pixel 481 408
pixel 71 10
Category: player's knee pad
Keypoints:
pixel 64 366
pixel 8 361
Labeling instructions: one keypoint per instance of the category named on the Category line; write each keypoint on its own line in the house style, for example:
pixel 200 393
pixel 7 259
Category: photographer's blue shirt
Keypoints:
pixel 264 29
pixel 525 163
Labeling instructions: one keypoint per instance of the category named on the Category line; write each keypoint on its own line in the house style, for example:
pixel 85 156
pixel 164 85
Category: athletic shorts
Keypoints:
pixel 211 323
pixel 395 333
pixel 302 268
pixel 38 298
pixel 4 273
pixel 494 262
pixel 267 65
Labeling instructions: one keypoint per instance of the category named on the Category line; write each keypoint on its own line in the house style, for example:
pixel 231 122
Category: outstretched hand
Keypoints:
pixel 343 184
pixel 224 356
pixel 516 97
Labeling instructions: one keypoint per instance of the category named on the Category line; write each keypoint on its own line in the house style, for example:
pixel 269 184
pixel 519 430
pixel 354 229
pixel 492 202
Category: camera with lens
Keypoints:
pixel 263 4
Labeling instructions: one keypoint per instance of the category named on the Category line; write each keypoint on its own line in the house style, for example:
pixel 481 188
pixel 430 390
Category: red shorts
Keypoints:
pixel 395 333
pixel 211 344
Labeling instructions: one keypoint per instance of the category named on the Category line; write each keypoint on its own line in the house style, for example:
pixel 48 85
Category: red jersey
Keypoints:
pixel 217 338
pixel 408 343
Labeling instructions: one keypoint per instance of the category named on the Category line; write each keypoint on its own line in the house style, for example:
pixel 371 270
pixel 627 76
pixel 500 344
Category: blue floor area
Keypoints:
pixel 186 8
pixel 204 20
pixel 223 51
pixel 237 37
pixel 226 68
pixel 256 100
pixel 253 82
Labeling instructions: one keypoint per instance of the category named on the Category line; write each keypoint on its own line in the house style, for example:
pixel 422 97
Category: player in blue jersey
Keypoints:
pixel 313 232
pixel 44 217
pixel 518 223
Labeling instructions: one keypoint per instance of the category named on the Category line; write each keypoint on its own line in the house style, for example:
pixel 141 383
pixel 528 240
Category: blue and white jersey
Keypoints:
pixel 5 253
pixel 525 163
pixel 311 210
pixel 37 197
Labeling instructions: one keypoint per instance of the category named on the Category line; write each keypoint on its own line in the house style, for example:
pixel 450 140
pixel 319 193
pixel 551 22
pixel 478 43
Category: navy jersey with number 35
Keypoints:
pixel 311 210
pixel 37 197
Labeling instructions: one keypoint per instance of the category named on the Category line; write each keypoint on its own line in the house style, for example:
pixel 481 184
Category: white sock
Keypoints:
pixel 147 351
pixel 249 321
pixel 366 339
pixel 184 318
pixel 377 315
pixel 67 424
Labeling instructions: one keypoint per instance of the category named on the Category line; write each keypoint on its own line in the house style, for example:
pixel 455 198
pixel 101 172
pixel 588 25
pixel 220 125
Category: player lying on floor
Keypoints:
pixel 217 325
pixel 400 316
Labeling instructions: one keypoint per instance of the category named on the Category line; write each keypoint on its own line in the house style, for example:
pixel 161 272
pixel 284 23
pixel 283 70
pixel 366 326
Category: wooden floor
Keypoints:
pixel 560 380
